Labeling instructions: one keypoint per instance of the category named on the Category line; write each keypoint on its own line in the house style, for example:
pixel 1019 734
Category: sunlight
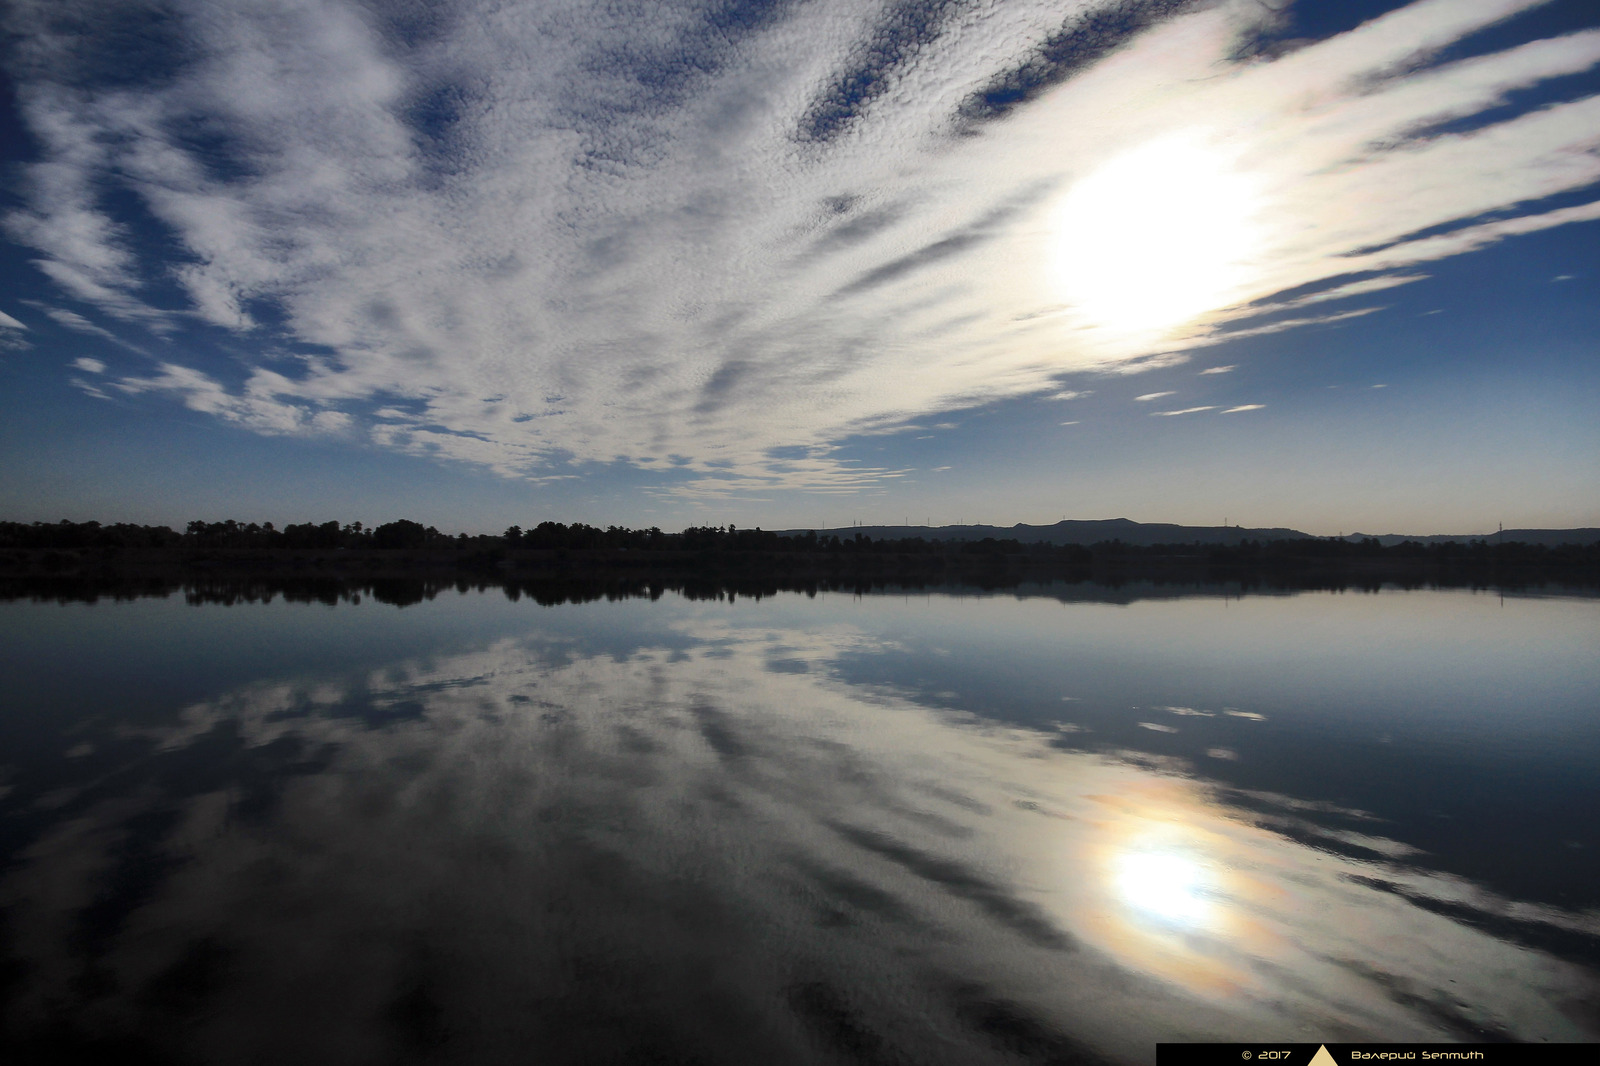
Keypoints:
pixel 1157 236
pixel 1163 885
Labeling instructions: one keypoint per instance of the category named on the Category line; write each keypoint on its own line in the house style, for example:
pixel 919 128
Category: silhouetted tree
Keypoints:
pixel 402 533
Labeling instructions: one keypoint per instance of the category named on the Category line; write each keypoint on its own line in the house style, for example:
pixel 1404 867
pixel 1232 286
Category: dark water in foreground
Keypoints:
pixel 935 829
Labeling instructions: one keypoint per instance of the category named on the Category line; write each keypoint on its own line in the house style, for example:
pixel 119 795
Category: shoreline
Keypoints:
pixel 411 574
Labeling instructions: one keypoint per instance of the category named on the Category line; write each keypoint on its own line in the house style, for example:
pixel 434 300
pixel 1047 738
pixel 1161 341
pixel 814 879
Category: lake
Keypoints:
pixel 1055 825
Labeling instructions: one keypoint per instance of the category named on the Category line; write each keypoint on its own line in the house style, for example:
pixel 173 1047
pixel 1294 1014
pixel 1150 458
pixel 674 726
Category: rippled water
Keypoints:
pixel 922 829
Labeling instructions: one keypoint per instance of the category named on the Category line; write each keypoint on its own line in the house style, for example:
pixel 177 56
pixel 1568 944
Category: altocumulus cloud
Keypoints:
pixel 687 237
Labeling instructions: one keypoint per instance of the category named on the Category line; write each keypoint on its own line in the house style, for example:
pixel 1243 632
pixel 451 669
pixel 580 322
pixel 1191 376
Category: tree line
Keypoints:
pixel 404 534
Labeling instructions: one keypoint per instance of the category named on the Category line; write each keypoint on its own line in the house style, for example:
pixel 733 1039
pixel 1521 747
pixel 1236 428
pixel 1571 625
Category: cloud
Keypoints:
pixel 1153 396
pixel 540 235
pixel 89 366
pixel 1363 287
pixel 77 323
pixel 256 406
pixel 1244 407
pixel 1142 364
pixel 89 388
pixel 1284 325
pixel 1219 369
pixel 1184 411
pixel 11 334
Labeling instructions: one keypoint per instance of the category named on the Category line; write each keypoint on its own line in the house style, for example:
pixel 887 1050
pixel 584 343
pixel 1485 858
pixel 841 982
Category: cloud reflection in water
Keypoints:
pixel 653 850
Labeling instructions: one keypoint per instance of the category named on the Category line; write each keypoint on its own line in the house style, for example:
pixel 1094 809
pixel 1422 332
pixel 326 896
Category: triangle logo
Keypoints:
pixel 1322 1058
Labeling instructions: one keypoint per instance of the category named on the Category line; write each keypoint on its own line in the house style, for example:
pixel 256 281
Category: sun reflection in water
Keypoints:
pixel 1167 897
pixel 1167 886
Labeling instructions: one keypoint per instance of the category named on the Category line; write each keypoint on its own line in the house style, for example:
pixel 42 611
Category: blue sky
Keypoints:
pixel 1324 265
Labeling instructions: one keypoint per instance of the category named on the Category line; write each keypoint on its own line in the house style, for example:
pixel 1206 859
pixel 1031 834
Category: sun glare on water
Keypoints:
pixel 1166 886
pixel 1157 236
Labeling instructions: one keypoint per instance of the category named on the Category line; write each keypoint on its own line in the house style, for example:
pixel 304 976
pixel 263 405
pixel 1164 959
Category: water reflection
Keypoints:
pixel 1162 882
pixel 677 832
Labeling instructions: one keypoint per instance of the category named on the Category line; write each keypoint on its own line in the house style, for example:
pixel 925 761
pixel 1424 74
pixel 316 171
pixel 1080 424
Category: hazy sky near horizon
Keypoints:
pixel 1329 265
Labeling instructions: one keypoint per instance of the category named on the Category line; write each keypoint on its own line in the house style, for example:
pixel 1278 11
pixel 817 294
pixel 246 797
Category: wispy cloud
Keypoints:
pixel 1284 325
pixel 1364 287
pixel 1244 407
pixel 89 388
pixel 1184 411
pixel 558 233
pixel 11 334
pixel 77 323
pixel 1219 369
pixel 89 366
pixel 1147 397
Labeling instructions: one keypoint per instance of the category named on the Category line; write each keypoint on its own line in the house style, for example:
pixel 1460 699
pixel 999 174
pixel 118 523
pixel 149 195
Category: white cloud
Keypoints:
pixel 1219 369
pixel 1244 407
pixel 572 268
pixel 1184 411
pixel 89 366
pixel 11 334
pixel 1284 325
pixel 76 322
pixel 89 388
pixel 256 406
pixel 1364 287
pixel 1147 397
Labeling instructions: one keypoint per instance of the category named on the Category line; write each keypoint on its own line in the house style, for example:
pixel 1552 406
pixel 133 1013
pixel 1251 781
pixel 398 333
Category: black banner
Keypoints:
pixel 1267 1053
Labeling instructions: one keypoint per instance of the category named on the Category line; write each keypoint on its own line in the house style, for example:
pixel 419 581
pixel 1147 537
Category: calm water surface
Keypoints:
pixel 830 829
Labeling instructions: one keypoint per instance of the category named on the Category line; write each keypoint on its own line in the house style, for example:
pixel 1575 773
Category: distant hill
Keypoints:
pixel 1550 538
pixel 1145 533
pixel 1073 532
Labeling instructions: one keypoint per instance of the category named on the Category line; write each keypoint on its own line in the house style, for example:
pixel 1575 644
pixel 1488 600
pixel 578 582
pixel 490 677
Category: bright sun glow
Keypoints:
pixel 1163 885
pixel 1157 236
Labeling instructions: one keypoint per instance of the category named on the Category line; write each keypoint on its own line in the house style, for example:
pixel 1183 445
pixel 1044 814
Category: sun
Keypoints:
pixel 1157 236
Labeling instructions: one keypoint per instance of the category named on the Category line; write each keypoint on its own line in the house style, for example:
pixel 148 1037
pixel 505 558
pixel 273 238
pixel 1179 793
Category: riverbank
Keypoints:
pixel 409 574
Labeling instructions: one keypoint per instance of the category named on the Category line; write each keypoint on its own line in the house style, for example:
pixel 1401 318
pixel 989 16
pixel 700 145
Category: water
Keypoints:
pixel 953 828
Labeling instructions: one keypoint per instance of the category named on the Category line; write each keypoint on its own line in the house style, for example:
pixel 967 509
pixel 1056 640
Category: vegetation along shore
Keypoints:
pixel 753 557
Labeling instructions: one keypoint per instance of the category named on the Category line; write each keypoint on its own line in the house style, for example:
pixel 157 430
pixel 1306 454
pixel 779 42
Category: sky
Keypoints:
pixel 799 263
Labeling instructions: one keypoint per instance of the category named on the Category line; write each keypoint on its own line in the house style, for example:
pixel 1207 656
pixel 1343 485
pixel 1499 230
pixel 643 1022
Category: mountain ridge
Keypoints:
pixel 1094 531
